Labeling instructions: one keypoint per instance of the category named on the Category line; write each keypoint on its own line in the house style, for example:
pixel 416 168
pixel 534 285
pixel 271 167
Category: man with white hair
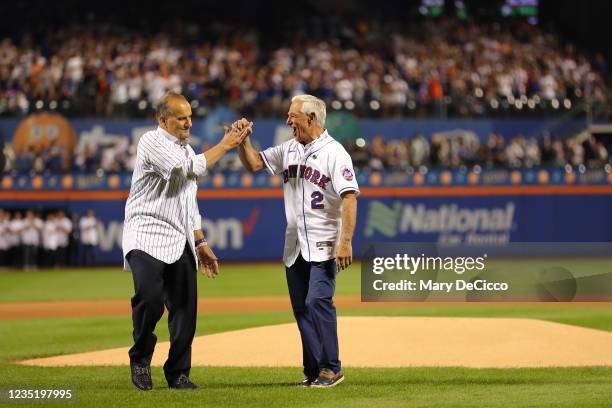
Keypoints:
pixel 320 193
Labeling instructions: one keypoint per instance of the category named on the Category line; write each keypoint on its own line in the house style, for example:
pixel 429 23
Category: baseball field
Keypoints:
pixel 247 351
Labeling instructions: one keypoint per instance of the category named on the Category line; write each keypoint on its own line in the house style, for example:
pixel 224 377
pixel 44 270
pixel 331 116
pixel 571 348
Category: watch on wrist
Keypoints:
pixel 200 242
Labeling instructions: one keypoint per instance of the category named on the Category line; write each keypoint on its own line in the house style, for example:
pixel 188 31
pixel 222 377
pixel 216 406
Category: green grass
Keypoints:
pixel 422 387
pixel 113 283
pixel 265 387
pixel 235 280
pixel 252 387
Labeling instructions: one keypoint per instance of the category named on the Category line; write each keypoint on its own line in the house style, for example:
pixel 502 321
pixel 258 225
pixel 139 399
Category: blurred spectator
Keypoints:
pixel 4 238
pixel 74 242
pixel 63 228
pixel 49 240
pixel 14 234
pixel 30 242
pixel 442 67
pixel 88 226
pixel 30 238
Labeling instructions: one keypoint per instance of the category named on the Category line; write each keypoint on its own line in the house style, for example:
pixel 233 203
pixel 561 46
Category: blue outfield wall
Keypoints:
pixel 253 229
pixel 268 132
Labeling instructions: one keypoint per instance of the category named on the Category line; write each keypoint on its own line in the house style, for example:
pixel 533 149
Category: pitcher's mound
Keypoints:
pixel 391 342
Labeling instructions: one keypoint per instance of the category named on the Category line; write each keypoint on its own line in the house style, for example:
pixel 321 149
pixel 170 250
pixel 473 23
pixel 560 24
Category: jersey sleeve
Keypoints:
pixel 342 173
pixel 273 158
pixel 164 160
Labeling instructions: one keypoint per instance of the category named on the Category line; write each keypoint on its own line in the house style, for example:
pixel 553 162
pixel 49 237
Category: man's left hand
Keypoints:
pixel 344 255
pixel 208 260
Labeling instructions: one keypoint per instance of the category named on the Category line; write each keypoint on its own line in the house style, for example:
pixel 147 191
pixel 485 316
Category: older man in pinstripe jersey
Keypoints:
pixel 162 239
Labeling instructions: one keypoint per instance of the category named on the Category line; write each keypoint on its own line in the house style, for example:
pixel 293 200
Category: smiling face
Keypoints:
pixel 177 120
pixel 298 121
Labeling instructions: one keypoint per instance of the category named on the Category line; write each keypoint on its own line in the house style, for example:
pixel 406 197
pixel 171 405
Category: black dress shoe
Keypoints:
pixel 141 376
pixel 182 383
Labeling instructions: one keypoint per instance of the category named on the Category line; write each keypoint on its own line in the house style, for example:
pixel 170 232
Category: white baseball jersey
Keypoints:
pixel 89 230
pixel 49 235
pixel 4 234
pixel 30 234
pixel 161 212
pixel 63 230
pixel 314 177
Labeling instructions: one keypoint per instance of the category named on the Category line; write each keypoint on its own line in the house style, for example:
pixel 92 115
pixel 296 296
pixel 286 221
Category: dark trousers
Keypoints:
pixel 49 258
pixel 61 257
pixel 311 288
pixel 16 256
pixel 157 284
pixel 30 256
pixel 88 255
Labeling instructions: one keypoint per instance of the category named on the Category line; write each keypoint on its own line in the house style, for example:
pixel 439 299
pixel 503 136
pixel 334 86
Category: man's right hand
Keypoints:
pixel 237 132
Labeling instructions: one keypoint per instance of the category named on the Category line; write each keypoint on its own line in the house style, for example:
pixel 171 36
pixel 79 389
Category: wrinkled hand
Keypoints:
pixel 208 260
pixel 344 255
pixel 242 124
pixel 237 132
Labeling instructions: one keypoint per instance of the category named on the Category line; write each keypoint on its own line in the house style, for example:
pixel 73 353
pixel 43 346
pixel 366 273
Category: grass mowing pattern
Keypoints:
pixel 254 387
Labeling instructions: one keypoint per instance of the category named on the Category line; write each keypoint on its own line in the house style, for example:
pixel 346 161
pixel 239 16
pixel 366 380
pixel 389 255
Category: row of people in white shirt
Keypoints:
pixel 51 234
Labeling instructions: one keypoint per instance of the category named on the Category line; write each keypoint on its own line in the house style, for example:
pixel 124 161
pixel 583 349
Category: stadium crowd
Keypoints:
pixel 464 150
pixel 442 68
pixel 453 150
pixel 30 240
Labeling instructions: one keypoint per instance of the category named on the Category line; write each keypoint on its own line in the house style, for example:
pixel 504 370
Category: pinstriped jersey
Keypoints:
pixel 161 211
pixel 314 177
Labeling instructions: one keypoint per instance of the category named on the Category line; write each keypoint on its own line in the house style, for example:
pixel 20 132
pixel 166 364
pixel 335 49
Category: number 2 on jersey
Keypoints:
pixel 317 197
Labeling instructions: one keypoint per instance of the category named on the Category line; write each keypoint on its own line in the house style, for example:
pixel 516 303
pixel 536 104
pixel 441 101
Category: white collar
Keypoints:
pixel 315 142
pixel 170 136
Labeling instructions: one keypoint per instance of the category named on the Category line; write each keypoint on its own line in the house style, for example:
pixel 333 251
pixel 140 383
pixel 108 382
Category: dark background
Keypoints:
pixel 584 22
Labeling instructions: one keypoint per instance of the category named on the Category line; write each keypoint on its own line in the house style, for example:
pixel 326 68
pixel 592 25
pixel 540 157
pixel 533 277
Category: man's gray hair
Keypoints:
pixel 163 106
pixel 312 104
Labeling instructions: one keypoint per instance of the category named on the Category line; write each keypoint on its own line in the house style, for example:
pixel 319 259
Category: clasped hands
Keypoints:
pixel 236 133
